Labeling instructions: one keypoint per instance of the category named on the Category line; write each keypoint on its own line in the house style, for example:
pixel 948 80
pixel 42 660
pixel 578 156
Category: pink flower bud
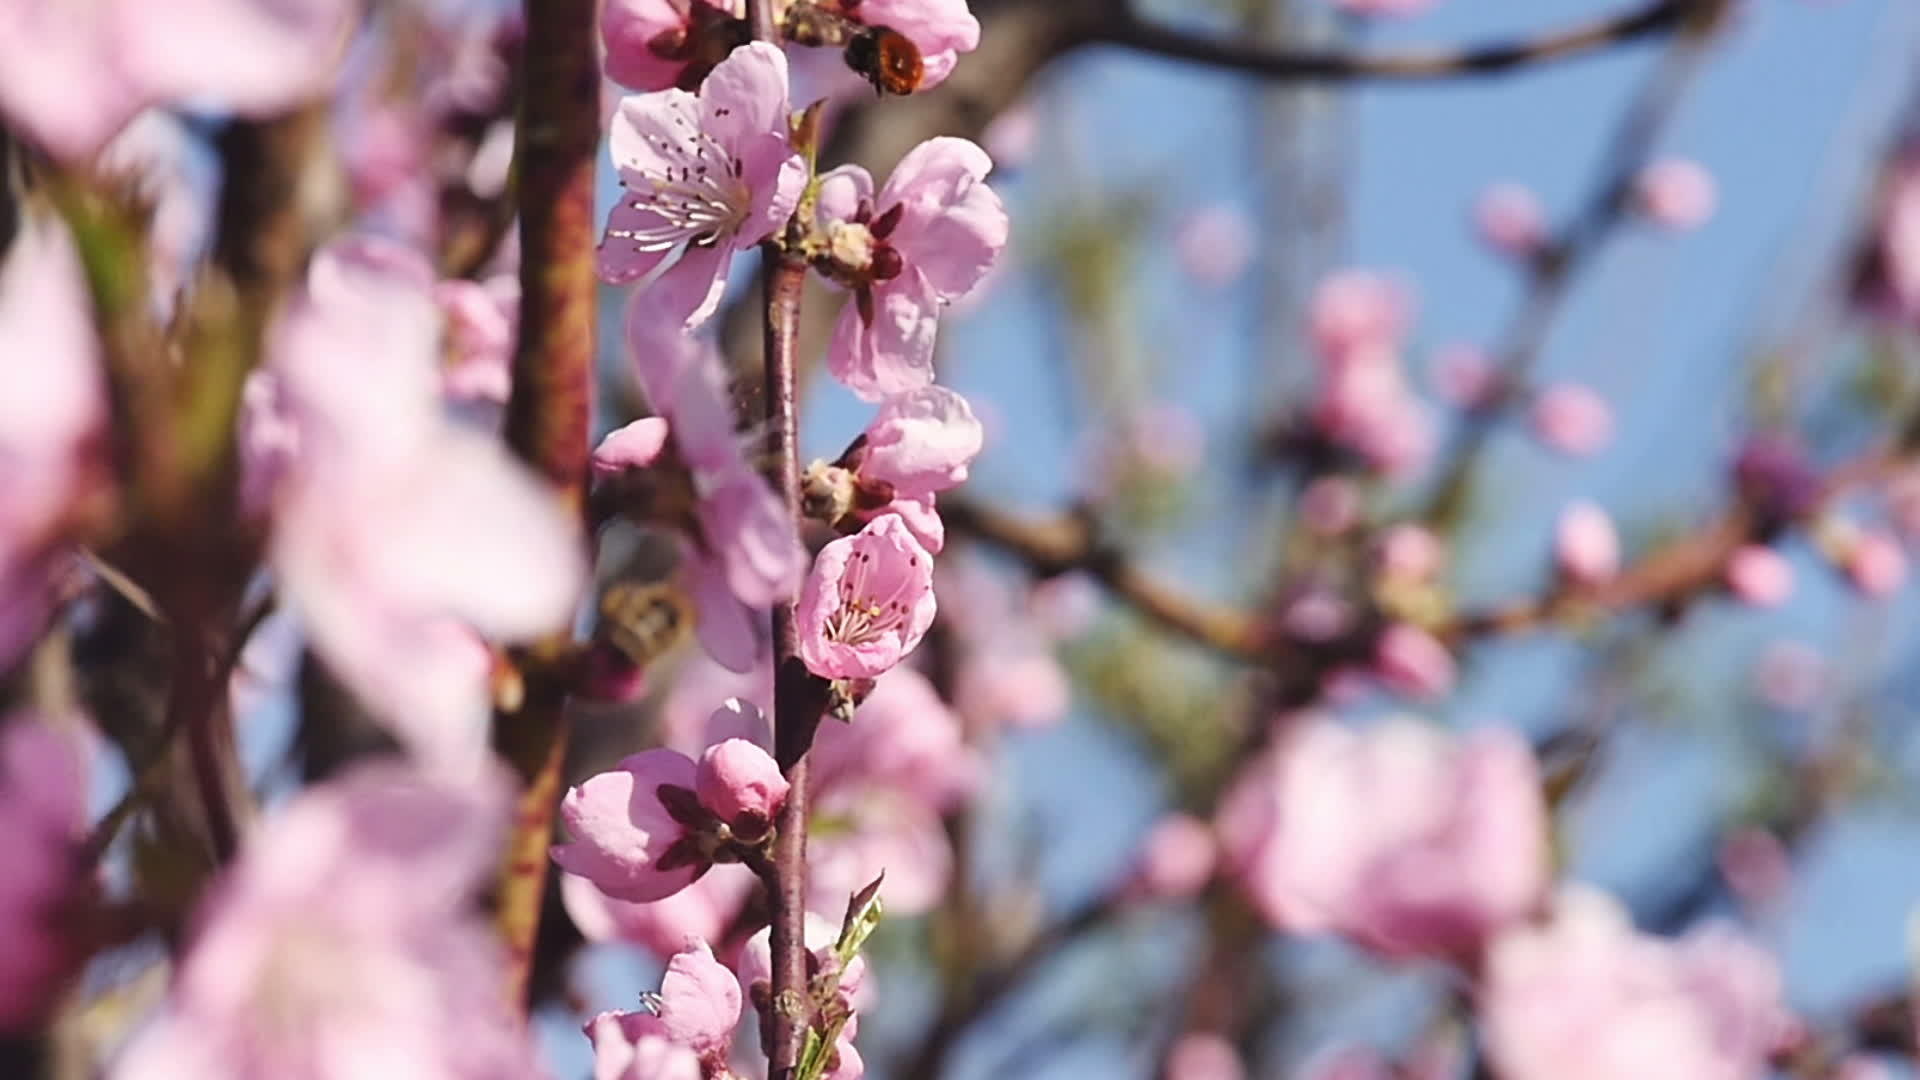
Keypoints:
pixel 626 838
pixel 740 782
pixel 1357 309
pixel 1413 663
pixel 1174 862
pixel 1204 1055
pixel 1676 193
pixel 1759 576
pixel 1510 219
pixel 1585 544
pixel 1876 564
pixel 1573 419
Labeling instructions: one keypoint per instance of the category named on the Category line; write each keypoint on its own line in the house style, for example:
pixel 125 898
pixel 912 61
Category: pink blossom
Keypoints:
pixel 940 29
pixel 399 534
pixel 1510 219
pixel 924 241
pixel 921 442
pixel 1215 244
pixel 1465 375
pixel 482 325
pixel 627 837
pixel 42 812
pixel 1790 675
pixel 1876 564
pixel 700 1002
pixel 1385 8
pixel 1586 997
pixel 1204 1055
pixel 656 44
pixel 1355 310
pixel 741 785
pixel 701 177
pixel 635 446
pixel 1411 553
pixel 1585 544
pixel 1364 404
pixel 1402 838
pixel 636 1046
pixel 704 909
pixel 1573 419
pixel 867 603
pixel 903 736
pixel 1175 861
pixel 74 74
pixel 52 420
pixel 747 554
pixel 1413 662
pixel 345 939
pixel 1756 866
pixel 1013 134
pixel 1330 505
pixel 1014 682
pixel 1676 193
pixel 1759 575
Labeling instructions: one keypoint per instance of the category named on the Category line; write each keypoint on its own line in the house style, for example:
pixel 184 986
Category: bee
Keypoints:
pixel 886 58
pixel 644 619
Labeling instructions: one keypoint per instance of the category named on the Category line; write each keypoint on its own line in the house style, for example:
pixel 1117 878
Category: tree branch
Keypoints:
pixel 1131 32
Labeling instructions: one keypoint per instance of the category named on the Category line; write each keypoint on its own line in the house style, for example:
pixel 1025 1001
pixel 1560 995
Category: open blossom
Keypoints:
pixel 746 555
pixel 660 44
pixel 52 420
pixel 1585 544
pixel 73 74
pixel 919 444
pixel 925 240
pixel 344 944
pixel 42 811
pixel 1587 997
pixel 400 536
pixel 636 1046
pixel 698 1007
pixel 867 603
pixel 1403 838
pixel 701 176
pixel 1676 193
pixel 939 29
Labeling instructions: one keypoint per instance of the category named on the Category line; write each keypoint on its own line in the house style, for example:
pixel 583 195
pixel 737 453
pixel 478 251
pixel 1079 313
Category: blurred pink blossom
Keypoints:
pixel 1216 244
pixel 1013 134
pixel 1384 8
pixel 636 1046
pixel 1875 563
pixel 704 910
pixel 1894 278
pixel 1403 838
pixel 701 177
pixel 1204 1055
pixel 1330 505
pixel 1756 866
pixel 53 415
pixel 1175 861
pixel 1358 309
pixel 1759 575
pixel 399 535
pixel 1573 419
pixel 1409 552
pixel 1510 219
pixel 1587 997
pixel 923 241
pixel 74 74
pixel 1585 545
pixel 1347 1063
pixel 1465 375
pixel 1790 675
pixel 1365 404
pixel 482 325
pixel 42 814
pixel 1413 663
pixel 1676 193
pixel 1015 682
pixel 344 942
pixel 635 446
pixel 867 603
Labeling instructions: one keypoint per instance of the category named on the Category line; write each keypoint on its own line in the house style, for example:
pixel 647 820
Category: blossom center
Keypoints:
pixel 698 194
pixel 865 616
pixel 851 244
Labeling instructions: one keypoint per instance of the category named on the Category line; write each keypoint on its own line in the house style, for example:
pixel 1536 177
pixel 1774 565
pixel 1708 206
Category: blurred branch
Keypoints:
pixel 1553 269
pixel 1128 30
pixel 550 410
pixel 1070 543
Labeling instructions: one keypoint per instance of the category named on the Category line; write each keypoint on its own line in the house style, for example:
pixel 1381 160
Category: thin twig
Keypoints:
pixel 1130 31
